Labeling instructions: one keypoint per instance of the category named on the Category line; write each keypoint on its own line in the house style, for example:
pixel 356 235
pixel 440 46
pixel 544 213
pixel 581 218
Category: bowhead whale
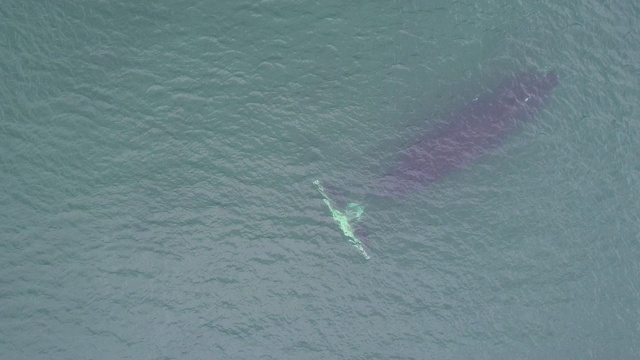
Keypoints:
pixel 465 135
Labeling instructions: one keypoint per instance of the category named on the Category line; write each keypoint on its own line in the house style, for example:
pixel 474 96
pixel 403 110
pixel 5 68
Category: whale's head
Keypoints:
pixel 528 91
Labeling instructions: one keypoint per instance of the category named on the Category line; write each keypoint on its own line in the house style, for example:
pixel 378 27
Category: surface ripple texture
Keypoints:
pixel 157 161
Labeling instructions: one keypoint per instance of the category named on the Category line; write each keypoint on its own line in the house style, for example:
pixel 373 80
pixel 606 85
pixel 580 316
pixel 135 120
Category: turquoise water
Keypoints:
pixel 157 166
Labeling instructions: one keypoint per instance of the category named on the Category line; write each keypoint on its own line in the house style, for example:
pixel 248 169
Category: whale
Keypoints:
pixel 463 137
pixel 468 134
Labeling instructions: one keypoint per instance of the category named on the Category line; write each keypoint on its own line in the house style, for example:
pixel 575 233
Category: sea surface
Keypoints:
pixel 157 161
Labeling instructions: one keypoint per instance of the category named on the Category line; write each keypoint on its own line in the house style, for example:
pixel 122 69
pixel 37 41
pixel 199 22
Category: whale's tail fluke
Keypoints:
pixel 347 220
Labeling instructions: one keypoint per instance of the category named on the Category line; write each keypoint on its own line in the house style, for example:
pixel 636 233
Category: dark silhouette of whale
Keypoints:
pixel 468 134
pixel 463 137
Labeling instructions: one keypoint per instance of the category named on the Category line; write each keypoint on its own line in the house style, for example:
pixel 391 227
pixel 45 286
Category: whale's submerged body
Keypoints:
pixel 463 137
pixel 468 133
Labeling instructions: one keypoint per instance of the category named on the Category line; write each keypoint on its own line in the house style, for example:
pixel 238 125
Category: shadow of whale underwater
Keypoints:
pixel 466 135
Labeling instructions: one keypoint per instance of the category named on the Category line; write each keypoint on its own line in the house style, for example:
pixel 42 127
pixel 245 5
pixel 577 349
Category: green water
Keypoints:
pixel 157 164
